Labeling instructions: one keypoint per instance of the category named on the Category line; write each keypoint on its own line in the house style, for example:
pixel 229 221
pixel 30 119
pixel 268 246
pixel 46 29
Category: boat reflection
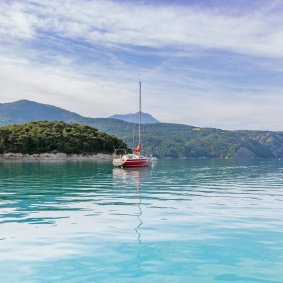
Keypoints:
pixel 133 177
pixel 130 176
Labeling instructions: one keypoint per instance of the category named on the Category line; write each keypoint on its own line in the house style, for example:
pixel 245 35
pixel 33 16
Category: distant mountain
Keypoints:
pixel 134 118
pixel 160 139
pixel 24 111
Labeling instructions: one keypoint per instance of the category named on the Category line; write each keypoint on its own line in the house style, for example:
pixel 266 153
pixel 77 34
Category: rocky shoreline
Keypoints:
pixel 56 156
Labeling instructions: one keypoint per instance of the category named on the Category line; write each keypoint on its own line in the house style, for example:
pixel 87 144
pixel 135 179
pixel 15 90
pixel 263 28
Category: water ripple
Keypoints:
pixel 198 220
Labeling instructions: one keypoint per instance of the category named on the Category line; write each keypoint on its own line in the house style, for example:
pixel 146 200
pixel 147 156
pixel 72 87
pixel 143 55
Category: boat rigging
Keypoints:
pixel 134 159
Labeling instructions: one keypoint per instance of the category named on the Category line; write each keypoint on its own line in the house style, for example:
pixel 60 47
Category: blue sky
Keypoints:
pixel 204 63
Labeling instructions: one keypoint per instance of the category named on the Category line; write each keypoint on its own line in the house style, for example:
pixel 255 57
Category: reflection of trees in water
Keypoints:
pixel 133 176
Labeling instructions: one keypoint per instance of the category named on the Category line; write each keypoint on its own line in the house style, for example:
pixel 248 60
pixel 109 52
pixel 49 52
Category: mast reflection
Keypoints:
pixel 133 176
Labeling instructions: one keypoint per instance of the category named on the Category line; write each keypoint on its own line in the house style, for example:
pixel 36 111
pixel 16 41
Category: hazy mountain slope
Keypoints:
pixel 177 140
pixel 134 118
pixel 160 139
pixel 24 111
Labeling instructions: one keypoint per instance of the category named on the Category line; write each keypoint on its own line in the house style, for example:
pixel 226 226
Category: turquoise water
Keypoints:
pixel 182 221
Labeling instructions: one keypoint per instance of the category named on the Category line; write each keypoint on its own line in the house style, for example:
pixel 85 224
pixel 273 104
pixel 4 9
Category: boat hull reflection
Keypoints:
pixel 132 176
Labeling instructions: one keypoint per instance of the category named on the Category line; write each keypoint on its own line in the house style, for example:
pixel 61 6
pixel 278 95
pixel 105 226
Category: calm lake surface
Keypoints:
pixel 182 221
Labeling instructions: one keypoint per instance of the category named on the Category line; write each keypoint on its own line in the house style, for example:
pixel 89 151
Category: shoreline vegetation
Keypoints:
pixel 162 140
pixel 55 140
pixel 45 140
pixel 56 156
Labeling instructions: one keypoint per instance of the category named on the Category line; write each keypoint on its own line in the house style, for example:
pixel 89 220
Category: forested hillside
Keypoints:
pixel 160 139
pixel 44 136
pixel 179 141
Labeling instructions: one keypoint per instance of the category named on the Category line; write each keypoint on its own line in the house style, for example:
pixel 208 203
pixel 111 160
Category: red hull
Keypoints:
pixel 143 162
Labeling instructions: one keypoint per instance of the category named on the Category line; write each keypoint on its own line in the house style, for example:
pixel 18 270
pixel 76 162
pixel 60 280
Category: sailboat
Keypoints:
pixel 134 159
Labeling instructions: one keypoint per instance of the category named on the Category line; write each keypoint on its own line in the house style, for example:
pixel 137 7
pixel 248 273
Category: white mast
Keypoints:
pixel 140 114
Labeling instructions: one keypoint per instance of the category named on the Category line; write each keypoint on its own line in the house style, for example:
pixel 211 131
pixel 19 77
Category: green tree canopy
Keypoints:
pixel 45 136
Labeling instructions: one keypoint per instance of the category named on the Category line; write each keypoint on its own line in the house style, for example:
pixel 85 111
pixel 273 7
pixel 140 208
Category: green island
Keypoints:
pixel 56 137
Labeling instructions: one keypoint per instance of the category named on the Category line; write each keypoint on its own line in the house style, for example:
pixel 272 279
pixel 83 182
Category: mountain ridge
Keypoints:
pixel 134 118
pixel 159 139
pixel 23 111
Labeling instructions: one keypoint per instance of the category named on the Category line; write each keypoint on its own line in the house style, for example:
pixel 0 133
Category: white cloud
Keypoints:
pixel 62 86
pixel 109 22
pixel 15 21
pixel 87 56
pixel 253 112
